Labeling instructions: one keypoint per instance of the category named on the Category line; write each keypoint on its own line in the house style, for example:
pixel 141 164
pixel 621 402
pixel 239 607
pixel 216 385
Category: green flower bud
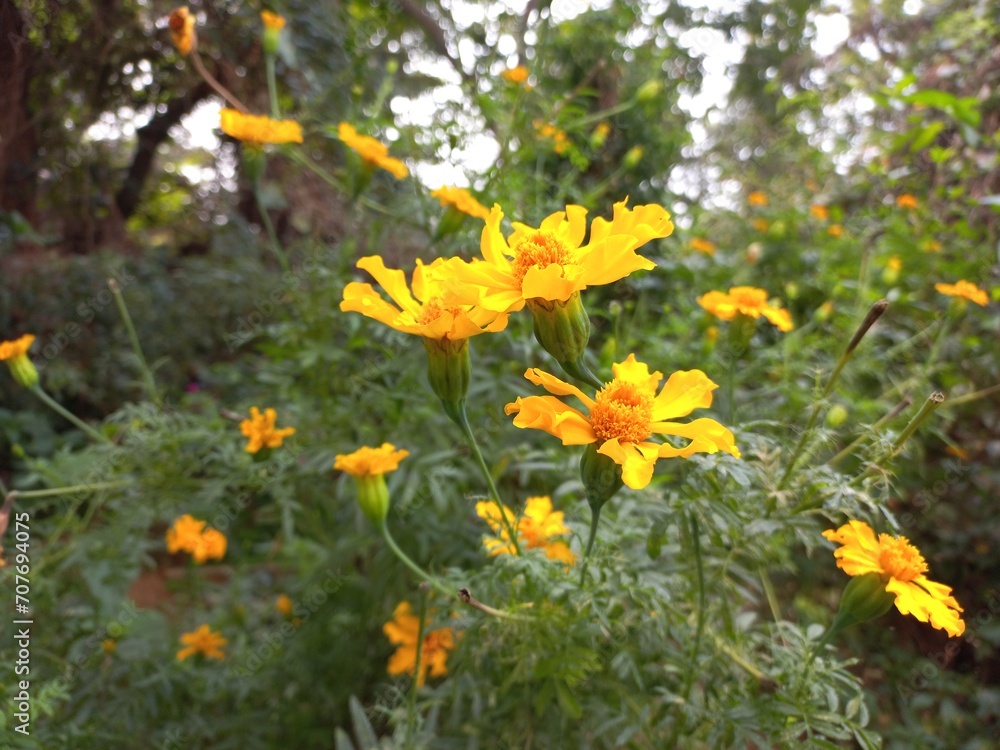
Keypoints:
pixel 864 599
pixel 448 371
pixel 648 91
pixel 373 497
pixel 632 157
pixel 836 416
pixel 563 330
pixel 600 475
pixel 23 370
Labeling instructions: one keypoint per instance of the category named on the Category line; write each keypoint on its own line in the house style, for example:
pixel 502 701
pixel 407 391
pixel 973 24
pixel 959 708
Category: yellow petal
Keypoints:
pixel 559 550
pixel 362 298
pixel 612 259
pixel 911 599
pixel 551 415
pixel 557 387
pixel 779 317
pixel 706 436
pixel 492 244
pixel 393 281
pixel 684 391
pixel 552 282
pixel 643 223
pixel 634 371
pixel 636 459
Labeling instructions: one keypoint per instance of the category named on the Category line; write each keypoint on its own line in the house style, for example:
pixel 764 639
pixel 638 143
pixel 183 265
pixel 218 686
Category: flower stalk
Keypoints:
pixel 133 337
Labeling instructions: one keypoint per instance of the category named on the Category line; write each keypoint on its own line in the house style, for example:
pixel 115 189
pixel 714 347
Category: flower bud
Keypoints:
pixel 864 599
pixel 632 157
pixel 15 354
pixel 648 91
pixel 448 371
pixel 273 24
pixel 563 330
pixel 600 475
pixel 836 416
pixel 373 497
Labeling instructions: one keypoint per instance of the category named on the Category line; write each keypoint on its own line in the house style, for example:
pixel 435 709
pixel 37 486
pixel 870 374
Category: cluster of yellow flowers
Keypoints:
pixel 188 534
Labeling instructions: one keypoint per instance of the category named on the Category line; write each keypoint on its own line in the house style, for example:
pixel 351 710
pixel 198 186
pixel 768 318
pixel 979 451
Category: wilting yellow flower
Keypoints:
pixel 370 462
pixel 403 631
pixel 272 20
pixel 560 141
pixel 202 641
pixel 761 225
pixel 258 130
pixel 819 211
pixel 181 24
pixel 462 200
pixel 835 230
pixel 188 534
pixel 371 151
pixel 906 201
pixel 515 75
pixel 902 568
pixel 261 431
pixel 745 300
pixel 284 605
pixel 757 198
pixel 625 413
pixel 965 290
pixel 551 263
pixel 428 312
pixel 535 529
pixel 703 246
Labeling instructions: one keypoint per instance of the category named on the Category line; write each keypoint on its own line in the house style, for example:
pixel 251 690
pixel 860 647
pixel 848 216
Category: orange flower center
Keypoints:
pixel 432 310
pixel 899 558
pixel 623 410
pixel 541 249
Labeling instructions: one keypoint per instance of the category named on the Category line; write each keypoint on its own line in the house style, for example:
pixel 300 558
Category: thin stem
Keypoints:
pixel 266 219
pixel 417 570
pixel 272 86
pixel 133 337
pixel 772 598
pixel 71 490
pixel 412 709
pixel 214 83
pixel 595 517
pixel 893 413
pixel 928 408
pixel 972 396
pixel 58 409
pixel 700 627
pixel 470 438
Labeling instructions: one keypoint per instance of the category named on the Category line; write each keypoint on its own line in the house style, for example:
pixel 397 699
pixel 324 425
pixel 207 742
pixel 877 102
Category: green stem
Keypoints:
pixel 928 408
pixel 972 396
pixel 411 712
pixel 272 86
pixel 266 219
pixel 133 337
pixel 72 490
pixel 893 413
pixel 700 627
pixel 772 598
pixel 470 437
pixel 58 409
pixel 417 570
pixel 595 517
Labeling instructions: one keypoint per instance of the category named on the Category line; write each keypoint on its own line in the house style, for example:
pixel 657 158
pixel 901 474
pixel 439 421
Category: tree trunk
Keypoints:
pixel 18 171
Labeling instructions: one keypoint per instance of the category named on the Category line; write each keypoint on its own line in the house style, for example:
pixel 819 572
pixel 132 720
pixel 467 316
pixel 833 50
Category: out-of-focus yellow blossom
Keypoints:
pixel 625 413
pixel 560 141
pixel 907 201
pixel 284 605
pixel 109 645
pixel 272 20
pixel 188 534
pixel 535 529
pixel 964 290
pixel 703 246
pixel 202 641
pixel 370 462
pixel 462 200
pixel 371 151
pixel 182 33
pixel 258 130
pixel 15 354
pixel 261 432
pixel 745 300
pixel 932 246
pixel 835 230
pixel 761 225
pixel 894 263
pixel 901 568
pixel 515 75
pixel 404 631
pixel 757 198
pixel 819 211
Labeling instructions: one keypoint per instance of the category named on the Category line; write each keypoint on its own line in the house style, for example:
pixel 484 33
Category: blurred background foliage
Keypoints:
pixel 108 170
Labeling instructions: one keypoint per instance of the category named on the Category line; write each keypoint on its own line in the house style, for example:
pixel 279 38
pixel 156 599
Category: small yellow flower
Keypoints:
pixel 188 534
pixel 370 462
pixel 964 290
pixel 535 528
pixel 284 605
pixel 109 645
pixel 894 263
pixel 16 348
pixel 602 130
pixel 371 151
pixel 551 263
pixel 902 568
pixel 932 246
pixel 515 75
pixel 625 413
pixel 819 211
pixel 261 431
pixel 272 20
pixel 182 33
pixel 258 130
pixel 15 354
pixel 462 200
pixel 403 631
pixel 748 301
pixel 428 312
pixel 907 201
pixel 546 131
pixel 703 246
pixel 202 641
pixel 835 230
pixel 757 198
pixel 761 225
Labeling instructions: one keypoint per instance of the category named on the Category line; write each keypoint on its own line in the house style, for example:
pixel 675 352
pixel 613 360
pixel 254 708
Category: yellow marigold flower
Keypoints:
pixel 272 20
pixel 551 263
pixel 258 129
pixel 182 33
pixel 745 300
pixel 427 312
pixel 202 641
pixel 261 431
pixel 462 200
pixel 284 605
pixel 515 75
pixel 835 230
pixel 371 151
pixel 894 263
pixel 902 568
pixel 965 290
pixel 703 246
pixel 906 201
pixel 403 631
pixel 212 546
pixel 560 141
pixel 15 354
pixel 819 211
pixel 536 527
pixel 757 198
pixel 188 534
pixel 625 413
pixel 370 462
